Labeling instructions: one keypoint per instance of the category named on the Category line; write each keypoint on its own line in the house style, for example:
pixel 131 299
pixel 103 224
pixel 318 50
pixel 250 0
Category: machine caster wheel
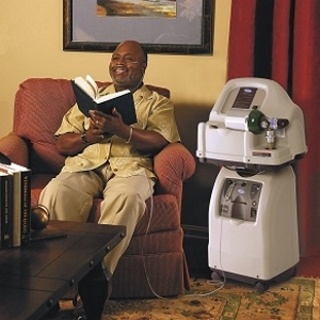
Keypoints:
pixel 215 276
pixel 261 287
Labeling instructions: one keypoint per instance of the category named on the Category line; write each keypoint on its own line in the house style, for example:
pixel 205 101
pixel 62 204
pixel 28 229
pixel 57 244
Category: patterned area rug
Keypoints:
pixel 296 299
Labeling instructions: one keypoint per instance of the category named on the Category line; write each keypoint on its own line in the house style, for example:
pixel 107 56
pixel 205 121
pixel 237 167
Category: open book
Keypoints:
pixel 87 97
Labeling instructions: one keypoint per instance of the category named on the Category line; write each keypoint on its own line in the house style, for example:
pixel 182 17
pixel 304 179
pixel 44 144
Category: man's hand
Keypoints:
pixel 70 144
pixel 112 124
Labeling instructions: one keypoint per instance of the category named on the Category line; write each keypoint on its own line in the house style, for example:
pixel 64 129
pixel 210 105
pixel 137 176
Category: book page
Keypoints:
pixel 85 86
pixel 112 96
pixel 93 85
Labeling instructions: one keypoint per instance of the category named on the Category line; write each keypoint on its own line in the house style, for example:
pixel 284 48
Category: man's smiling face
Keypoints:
pixel 127 66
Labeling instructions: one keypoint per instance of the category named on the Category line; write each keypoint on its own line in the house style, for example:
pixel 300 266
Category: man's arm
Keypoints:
pixel 72 143
pixel 146 140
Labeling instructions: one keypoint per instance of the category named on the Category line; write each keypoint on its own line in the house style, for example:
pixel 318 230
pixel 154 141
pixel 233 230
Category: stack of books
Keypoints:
pixel 15 205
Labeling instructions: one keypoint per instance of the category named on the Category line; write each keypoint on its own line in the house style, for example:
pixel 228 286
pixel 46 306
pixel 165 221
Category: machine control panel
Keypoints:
pixel 241 100
pixel 240 199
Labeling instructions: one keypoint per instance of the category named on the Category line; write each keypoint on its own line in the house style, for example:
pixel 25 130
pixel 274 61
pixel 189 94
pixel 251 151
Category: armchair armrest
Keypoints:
pixel 173 165
pixel 15 148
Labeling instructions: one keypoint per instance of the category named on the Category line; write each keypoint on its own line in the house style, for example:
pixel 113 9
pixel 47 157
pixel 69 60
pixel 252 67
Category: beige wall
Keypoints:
pixel 31 46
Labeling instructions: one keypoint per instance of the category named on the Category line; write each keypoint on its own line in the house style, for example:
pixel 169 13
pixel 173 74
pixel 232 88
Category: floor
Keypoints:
pixel 309 267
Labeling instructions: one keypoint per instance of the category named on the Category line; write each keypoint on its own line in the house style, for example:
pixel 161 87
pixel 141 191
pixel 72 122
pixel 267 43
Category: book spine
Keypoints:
pixel 19 215
pixel 25 206
pixel 6 210
pixel 16 224
pixel 1 210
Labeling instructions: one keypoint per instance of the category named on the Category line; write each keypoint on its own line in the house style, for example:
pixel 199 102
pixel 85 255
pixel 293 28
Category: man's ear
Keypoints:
pixel 144 66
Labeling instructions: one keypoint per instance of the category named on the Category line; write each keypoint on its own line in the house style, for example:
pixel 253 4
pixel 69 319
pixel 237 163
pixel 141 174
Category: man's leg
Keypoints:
pixel 123 204
pixel 69 196
pixel 94 289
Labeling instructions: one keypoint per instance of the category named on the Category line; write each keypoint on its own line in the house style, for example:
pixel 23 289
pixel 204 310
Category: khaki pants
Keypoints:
pixel 69 197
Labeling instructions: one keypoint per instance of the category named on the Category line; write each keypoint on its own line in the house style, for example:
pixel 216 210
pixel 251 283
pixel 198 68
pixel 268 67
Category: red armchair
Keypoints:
pixel 155 258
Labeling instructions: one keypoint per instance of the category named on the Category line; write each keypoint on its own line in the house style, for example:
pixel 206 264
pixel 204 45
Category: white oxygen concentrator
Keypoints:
pixel 255 132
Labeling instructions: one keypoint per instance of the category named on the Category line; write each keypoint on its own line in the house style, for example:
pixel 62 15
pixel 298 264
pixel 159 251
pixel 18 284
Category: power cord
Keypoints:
pixel 219 283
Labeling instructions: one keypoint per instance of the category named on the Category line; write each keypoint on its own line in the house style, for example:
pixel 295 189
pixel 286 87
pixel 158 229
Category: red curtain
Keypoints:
pixel 295 64
pixel 241 44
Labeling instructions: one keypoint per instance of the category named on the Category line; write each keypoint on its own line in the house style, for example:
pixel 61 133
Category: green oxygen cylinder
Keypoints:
pixel 257 121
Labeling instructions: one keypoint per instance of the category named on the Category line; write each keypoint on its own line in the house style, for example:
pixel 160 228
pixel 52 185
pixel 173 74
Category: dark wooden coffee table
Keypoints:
pixel 34 277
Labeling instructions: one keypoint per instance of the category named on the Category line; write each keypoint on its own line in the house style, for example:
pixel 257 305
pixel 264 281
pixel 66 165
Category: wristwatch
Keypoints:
pixel 84 137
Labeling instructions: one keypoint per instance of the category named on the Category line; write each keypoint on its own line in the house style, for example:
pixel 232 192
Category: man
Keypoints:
pixel 106 157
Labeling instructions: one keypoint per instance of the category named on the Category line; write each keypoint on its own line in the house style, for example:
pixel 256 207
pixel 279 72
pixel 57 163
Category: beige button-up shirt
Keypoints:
pixel 154 112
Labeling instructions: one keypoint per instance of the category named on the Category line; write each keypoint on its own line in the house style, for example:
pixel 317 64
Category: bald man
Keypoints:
pixel 109 159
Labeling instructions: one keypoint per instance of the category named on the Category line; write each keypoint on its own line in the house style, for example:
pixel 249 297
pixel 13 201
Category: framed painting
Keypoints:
pixel 162 26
